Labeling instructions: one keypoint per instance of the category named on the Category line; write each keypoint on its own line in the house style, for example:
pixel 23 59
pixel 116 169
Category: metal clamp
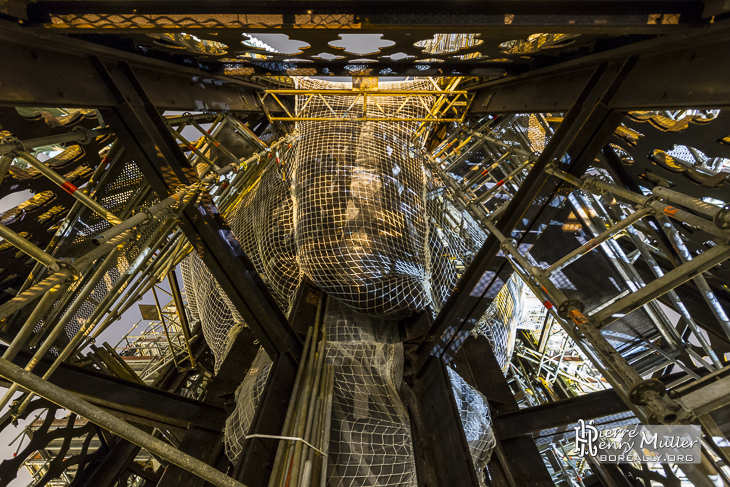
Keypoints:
pixel 508 243
pixel 647 203
pixel 150 216
pixel 590 184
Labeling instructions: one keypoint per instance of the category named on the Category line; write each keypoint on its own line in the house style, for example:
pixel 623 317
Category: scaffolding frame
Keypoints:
pixel 517 180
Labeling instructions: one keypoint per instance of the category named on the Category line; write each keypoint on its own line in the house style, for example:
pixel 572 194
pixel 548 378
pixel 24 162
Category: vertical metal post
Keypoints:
pixel 164 326
pixel 674 298
pixel 291 410
pixel 586 207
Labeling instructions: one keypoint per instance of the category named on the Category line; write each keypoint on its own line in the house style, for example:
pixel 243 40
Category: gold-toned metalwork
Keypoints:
pixel 189 42
pixel 677 121
pixel 161 22
pixel 115 21
pixel 448 43
pixel 536 43
pixel 450 105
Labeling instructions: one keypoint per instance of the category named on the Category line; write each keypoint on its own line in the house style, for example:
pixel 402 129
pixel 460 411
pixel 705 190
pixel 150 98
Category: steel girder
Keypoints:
pixel 686 70
pixel 582 134
pixel 29 57
pixel 143 132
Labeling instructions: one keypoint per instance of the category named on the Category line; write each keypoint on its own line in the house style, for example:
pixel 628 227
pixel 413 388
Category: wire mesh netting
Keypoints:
pixel 454 239
pixel 353 209
pixel 359 201
pixel 208 303
pixel 499 322
pixel 263 224
pixel 248 395
pixel 476 420
pixel 347 208
pixel 370 440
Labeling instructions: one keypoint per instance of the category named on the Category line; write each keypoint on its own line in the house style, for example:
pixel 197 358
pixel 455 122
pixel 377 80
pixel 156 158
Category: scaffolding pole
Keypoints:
pixel 114 425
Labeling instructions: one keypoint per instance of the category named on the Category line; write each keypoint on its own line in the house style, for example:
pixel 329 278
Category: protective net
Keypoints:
pixel 476 420
pixel 370 441
pixel 262 223
pixel 208 304
pixel 359 202
pixel 248 395
pixel 499 322
pixel 353 208
pixel 454 239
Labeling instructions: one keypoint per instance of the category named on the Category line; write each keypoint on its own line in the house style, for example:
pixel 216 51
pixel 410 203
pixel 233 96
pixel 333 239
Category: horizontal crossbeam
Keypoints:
pixel 674 72
pixel 558 414
pixel 447 106
pixel 135 402
pixel 28 58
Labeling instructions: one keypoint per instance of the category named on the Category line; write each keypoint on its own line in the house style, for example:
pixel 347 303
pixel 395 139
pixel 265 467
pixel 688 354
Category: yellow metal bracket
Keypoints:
pixel 439 106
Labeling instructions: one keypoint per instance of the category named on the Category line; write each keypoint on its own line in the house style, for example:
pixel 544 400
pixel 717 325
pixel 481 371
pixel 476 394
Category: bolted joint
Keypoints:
pixel 593 184
pixel 589 183
pixel 150 217
pixel 662 408
pixel 566 308
pixel 86 135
